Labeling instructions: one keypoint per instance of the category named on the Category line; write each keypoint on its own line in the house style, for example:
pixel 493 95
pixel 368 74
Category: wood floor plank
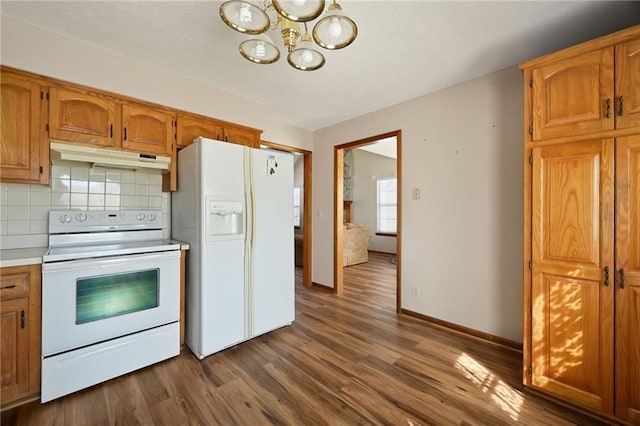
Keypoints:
pixel 347 359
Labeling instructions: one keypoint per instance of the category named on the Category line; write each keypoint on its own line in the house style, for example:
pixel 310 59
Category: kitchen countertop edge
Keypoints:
pixel 21 256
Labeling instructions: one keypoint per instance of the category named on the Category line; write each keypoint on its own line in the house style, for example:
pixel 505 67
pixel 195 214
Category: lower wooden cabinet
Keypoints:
pixel 20 313
pixel 584 304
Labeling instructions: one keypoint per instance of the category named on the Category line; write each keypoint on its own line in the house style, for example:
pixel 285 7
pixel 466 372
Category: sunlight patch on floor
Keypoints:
pixel 503 395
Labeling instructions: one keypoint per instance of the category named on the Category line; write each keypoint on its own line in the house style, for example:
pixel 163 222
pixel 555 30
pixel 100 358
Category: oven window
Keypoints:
pixel 112 295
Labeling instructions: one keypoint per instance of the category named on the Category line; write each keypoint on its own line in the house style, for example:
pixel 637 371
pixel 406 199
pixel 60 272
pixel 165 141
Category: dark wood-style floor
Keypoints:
pixel 346 360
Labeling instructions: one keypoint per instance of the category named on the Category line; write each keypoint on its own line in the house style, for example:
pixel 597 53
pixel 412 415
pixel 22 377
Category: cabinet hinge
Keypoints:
pixel 530 265
pixel 46 127
pixel 530 83
pixel 531 129
pixel 47 95
pixel 531 159
pixel 530 371
pixel 22 315
pixel 41 95
pixel 41 170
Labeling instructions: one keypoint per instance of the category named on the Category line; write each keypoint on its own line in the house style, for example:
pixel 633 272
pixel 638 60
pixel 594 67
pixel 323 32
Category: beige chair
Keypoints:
pixel 356 241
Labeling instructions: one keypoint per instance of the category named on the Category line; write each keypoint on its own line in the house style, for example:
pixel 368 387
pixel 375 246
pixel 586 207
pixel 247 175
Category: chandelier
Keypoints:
pixel 333 31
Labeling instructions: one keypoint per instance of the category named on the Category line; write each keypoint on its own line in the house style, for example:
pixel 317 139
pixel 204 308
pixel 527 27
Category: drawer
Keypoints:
pixel 14 282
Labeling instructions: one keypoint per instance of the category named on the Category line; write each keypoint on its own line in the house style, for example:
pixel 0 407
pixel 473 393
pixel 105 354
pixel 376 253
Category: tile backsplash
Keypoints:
pixel 24 208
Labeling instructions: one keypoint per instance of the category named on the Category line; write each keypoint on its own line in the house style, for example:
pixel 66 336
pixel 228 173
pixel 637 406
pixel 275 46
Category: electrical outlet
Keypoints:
pixel 415 293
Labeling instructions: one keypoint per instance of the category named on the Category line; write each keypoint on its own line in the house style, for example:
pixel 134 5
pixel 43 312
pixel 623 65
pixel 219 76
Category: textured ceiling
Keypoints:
pixel 404 49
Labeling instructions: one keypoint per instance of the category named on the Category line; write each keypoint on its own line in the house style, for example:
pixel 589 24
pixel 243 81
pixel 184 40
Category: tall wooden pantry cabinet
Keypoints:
pixel 582 225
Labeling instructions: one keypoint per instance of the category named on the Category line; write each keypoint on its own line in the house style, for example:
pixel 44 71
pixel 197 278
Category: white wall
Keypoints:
pixel 462 241
pixel 368 166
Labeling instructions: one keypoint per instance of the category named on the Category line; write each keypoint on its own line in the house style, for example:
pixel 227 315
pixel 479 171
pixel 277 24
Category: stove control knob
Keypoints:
pixel 65 218
pixel 151 217
pixel 140 216
pixel 81 217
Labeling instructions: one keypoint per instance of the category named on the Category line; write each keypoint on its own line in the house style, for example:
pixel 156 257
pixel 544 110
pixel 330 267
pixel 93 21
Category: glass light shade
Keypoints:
pixel 305 57
pixel 244 16
pixel 335 30
pixel 299 10
pixel 260 50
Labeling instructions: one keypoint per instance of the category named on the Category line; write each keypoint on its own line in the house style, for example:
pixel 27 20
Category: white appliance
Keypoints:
pixel 234 205
pixel 107 157
pixel 110 298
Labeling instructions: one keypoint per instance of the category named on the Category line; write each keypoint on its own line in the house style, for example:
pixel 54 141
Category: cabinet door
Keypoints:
pixel 80 117
pixel 147 130
pixel 571 301
pixel 21 130
pixel 14 350
pixel 190 128
pixel 574 96
pixel 628 297
pixel 628 84
pixel 242 136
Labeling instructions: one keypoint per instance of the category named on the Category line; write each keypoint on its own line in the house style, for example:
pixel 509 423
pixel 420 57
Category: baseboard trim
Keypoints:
pixel 19 402
pixel 465 330
pixel 322 287
pixel 600 417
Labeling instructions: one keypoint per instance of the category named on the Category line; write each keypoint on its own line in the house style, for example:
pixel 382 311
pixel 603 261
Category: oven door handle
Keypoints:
pixel 93 263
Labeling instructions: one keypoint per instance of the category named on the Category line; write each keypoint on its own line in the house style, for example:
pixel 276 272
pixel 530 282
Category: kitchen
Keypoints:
pixel 511 79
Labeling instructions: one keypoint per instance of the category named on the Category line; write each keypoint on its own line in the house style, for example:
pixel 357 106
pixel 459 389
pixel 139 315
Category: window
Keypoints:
pixel 387 205
pixel 296 207
pixel 118 294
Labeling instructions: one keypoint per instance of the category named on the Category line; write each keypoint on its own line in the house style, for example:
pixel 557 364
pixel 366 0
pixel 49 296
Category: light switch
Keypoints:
pixel 416 193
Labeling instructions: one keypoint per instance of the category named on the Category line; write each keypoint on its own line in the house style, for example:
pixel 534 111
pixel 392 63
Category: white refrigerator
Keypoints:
pixel 234 206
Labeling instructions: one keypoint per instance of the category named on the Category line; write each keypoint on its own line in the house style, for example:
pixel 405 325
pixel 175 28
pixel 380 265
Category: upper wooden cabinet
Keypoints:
pixel 147 130
pixel 628 84
pixel 81 117
pixel 190 128
pixel 23 158
pixel 574 96
pixel 242 136
pixel 591 92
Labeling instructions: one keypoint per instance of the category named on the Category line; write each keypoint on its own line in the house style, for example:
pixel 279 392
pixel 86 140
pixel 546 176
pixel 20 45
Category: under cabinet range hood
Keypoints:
pixel 107 157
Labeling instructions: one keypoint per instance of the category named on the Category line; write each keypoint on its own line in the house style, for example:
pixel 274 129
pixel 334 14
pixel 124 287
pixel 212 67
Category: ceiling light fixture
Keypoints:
pixel 333 31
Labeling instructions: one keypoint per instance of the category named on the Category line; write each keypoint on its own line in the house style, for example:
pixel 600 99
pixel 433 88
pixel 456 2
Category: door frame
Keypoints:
pixel 307 206
pixel 338 191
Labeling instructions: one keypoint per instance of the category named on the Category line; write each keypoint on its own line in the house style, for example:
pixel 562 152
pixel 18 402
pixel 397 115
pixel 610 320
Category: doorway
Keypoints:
pixel 339 210
pixel 306 206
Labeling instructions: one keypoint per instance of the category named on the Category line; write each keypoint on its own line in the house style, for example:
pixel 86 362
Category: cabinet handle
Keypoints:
pixel 111 131
pixel 606 276
pixel 621 109
pixel 22 319
pixel 621 277
pixel 608 108
pixel 7 287
pixel 125 133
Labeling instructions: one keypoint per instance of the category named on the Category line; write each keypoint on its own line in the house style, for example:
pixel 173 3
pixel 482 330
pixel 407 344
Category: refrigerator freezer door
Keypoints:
pixel 272 295
pixel 221 264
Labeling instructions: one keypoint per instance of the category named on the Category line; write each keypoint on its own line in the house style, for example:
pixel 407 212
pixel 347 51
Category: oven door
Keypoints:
pixel 93 300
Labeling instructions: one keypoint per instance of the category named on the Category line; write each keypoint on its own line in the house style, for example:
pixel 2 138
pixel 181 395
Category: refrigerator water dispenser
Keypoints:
pixel 225 218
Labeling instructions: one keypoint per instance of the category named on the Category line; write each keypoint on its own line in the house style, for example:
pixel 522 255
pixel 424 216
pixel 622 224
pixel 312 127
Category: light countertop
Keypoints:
pixel 33 255
pixel 21 256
